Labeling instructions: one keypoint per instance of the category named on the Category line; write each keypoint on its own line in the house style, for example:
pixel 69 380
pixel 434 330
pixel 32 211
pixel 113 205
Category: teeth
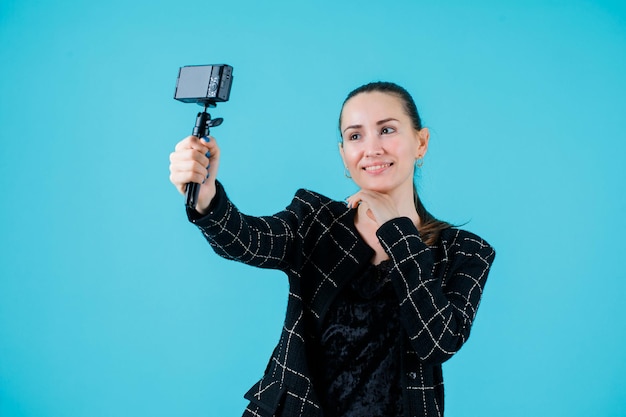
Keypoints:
pixel 376 167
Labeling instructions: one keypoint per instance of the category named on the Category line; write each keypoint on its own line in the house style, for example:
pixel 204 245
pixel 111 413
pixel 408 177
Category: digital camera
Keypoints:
pixel 204 84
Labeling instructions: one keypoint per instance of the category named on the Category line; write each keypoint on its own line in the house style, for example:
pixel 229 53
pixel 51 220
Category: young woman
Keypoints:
pixel 380 292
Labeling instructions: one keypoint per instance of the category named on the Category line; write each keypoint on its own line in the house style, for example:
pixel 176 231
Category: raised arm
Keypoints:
pixel 266 242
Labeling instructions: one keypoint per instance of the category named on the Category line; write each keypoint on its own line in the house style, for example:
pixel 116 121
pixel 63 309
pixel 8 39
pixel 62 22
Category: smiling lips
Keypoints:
pixel 377 168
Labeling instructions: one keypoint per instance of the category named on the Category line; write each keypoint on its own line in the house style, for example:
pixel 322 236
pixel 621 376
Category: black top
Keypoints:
pixel 358 362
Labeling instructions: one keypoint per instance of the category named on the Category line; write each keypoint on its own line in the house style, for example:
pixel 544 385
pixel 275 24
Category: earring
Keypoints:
pixel 419 162
pixel 346 173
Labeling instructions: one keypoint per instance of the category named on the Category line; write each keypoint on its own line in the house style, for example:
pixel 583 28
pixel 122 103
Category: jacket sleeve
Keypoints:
pixel 437 309
pixel 266 242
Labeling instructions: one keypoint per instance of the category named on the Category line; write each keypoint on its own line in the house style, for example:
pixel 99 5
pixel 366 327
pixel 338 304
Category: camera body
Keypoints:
pixel 204 84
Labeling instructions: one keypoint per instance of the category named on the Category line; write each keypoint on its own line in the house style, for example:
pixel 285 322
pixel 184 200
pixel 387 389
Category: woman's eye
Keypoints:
pixel 354 136
pixel 387 130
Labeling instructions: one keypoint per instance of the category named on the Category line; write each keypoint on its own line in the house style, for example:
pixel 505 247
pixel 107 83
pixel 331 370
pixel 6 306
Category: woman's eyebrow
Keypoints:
pixel 352 127
pixel 378 123
pixel 389 119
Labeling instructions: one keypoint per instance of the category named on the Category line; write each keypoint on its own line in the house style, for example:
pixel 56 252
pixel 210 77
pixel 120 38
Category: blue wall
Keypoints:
pixel 111 304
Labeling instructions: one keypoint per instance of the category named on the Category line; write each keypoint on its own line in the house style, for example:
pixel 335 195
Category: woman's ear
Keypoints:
pixel 340 146
pixel 423 136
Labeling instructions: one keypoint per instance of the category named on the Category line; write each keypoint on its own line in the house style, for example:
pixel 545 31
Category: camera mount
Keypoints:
pixel 200 130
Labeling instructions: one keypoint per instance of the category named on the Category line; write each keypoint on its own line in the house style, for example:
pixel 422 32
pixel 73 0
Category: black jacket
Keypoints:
pixel 315 242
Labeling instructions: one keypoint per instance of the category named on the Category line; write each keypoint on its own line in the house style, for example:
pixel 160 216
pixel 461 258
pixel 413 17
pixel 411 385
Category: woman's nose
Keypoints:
pixel 373 147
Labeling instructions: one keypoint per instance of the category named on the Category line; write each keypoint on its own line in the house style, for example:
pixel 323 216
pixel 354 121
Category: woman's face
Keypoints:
pixel 380 145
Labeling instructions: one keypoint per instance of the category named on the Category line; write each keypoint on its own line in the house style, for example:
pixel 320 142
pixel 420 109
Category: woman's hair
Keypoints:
pixel 430 227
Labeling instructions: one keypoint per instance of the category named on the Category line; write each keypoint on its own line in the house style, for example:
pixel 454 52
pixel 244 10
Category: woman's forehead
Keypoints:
pixel 372 107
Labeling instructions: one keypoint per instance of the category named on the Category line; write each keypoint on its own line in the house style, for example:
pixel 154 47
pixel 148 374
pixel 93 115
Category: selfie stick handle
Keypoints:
pixel 200 130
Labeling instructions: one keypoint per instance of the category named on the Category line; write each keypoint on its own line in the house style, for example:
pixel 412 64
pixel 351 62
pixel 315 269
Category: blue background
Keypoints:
pixel 111 304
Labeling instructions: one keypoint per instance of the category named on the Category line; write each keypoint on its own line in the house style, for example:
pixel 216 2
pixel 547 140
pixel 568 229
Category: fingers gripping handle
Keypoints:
pixel 200 130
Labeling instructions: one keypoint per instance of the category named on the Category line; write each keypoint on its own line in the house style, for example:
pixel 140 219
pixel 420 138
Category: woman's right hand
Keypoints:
pixel 196 160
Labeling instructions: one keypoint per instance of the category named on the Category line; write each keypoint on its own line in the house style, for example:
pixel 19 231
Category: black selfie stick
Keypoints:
pixel 205 85
pixel 200 130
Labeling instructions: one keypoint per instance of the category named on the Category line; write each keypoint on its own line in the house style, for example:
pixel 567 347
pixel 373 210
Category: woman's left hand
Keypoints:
pixel 378 207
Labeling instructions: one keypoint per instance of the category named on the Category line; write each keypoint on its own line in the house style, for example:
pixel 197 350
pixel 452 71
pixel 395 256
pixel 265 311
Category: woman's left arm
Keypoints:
pixel 437 309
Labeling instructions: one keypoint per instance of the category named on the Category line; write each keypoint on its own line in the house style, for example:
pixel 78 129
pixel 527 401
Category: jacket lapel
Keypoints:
pixel 354 255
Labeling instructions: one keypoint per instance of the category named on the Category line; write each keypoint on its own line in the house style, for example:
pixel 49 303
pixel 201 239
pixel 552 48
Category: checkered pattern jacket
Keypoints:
pixel 314 241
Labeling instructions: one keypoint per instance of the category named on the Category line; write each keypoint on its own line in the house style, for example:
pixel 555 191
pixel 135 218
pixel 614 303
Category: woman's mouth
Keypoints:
pixel 377 168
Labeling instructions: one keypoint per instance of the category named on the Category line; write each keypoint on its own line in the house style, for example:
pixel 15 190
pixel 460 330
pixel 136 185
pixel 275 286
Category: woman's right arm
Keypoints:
pixel 266 242
pixel 196 160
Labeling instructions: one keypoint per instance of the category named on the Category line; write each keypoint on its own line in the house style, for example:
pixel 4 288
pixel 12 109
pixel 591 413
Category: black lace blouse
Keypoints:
pixel 358 360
